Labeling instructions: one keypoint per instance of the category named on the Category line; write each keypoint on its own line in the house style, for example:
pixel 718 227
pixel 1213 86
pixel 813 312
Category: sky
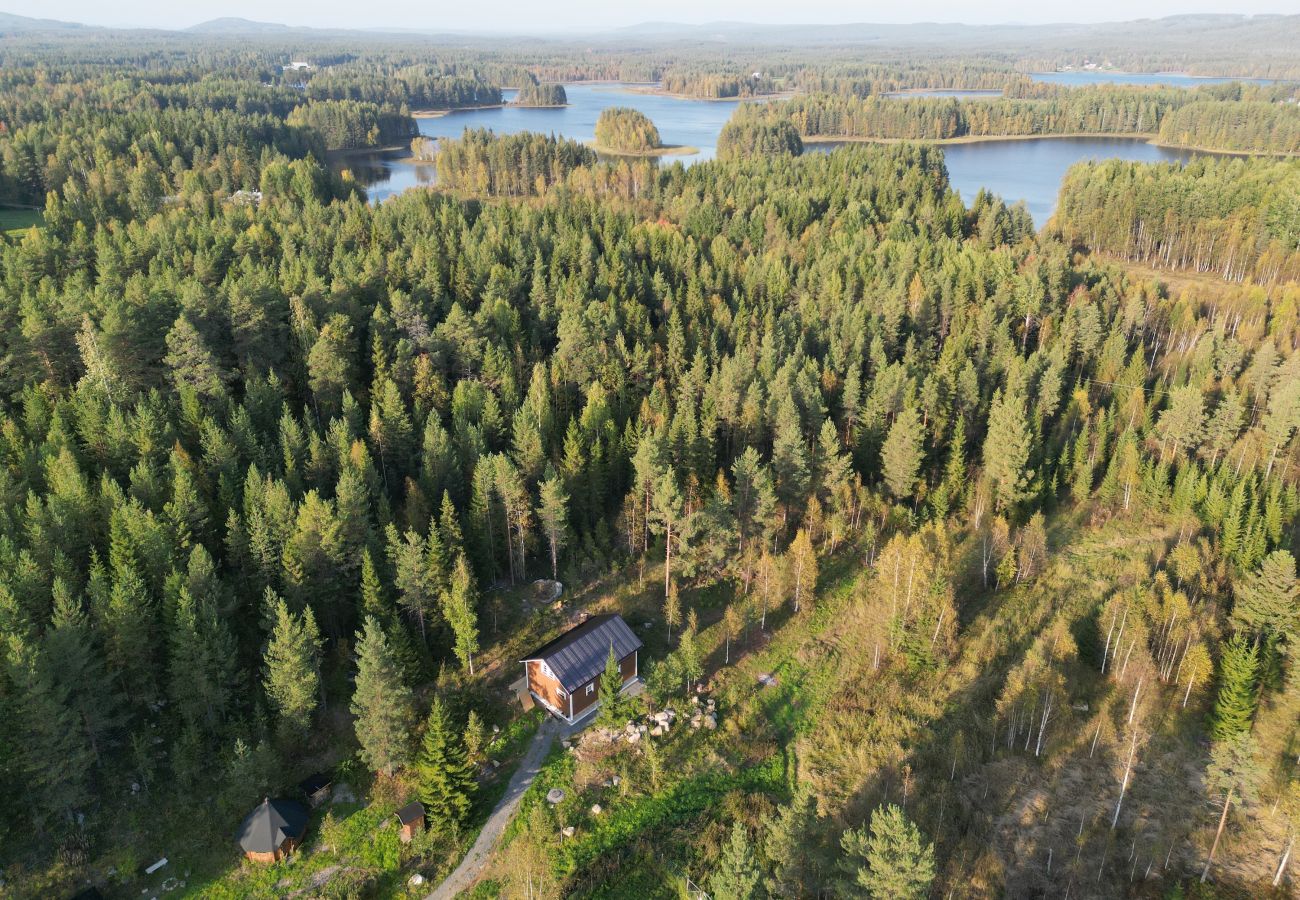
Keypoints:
pixel 520 16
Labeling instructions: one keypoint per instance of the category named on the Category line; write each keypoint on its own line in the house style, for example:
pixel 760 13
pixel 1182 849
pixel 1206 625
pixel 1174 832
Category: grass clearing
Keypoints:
pixel 15 222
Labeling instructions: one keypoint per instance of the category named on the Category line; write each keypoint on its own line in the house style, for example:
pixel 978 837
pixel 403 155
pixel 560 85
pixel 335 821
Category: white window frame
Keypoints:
pixel 591 687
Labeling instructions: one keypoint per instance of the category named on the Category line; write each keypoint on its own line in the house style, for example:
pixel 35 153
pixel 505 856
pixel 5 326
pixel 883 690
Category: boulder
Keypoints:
pixel 711 722
pixel 554 796
pixel 615 781
pixel 657 731
pixel 567 831
pixel 595 809
pixel 416 880
pixel 634 737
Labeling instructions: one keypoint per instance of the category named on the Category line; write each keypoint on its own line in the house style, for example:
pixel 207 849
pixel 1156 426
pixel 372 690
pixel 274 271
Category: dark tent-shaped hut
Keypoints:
pixel 273 830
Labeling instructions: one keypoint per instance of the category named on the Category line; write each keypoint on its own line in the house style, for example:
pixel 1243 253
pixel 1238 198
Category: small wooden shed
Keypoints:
pixel 410 819
pixel 273 830
pixel 316 788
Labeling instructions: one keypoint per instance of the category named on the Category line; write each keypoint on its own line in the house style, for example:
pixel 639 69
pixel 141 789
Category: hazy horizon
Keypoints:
pixel 518 16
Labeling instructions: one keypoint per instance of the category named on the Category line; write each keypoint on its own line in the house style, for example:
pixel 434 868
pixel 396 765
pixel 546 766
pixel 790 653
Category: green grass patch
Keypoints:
pixel 17 221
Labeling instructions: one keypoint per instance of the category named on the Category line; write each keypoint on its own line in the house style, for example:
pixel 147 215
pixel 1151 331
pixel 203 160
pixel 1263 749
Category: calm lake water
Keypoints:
pixel 1029 170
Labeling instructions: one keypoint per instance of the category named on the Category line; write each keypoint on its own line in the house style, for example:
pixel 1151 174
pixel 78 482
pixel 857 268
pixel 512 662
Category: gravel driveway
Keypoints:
pixel 472 865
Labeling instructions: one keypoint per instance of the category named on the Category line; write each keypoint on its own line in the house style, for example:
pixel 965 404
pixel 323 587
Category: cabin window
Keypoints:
pixel 591 688
pixel 560 692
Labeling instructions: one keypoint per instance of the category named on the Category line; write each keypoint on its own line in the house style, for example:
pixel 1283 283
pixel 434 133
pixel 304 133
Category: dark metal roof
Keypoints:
pixel 578 655
pixel 266 828
pixel 411 812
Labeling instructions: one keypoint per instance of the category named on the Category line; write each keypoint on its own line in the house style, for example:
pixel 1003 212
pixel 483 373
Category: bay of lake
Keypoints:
pixel 1029 170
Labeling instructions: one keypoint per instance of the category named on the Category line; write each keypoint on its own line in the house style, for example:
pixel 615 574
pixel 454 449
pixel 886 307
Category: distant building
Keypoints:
pixel 297 66
pixel 564 675
pixel 273 830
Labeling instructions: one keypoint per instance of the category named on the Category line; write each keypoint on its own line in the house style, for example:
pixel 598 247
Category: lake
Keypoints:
pixel 1029 170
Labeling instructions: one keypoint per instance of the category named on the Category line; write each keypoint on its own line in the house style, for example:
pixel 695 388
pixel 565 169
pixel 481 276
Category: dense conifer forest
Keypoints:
pixel 962 554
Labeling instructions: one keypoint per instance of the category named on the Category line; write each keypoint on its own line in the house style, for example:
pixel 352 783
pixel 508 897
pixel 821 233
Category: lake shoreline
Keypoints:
pixel 653 91
pixel 667 150
pixel 1139 137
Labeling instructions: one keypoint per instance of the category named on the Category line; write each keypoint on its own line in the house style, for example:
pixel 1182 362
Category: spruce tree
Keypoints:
pixel 446 776
pixel 900 457
pixel 1266 598
pixel 1006 450
pixel 381 703
pixel 891 861
pixel 611 714
pixel 737 874
pixel 292 679
pixel 1234 706
pixel 458 605
pixel 55 759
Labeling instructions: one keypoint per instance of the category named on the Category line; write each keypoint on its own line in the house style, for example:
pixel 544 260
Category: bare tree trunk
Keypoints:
pixel 1281 867
pixel 1123 787
pixel 1223 820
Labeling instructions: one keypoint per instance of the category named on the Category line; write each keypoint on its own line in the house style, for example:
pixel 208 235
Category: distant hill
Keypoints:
pixel 236 25
pixel 12 24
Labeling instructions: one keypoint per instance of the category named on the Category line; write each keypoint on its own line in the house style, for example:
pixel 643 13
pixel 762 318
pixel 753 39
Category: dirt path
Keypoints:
pixel 472 865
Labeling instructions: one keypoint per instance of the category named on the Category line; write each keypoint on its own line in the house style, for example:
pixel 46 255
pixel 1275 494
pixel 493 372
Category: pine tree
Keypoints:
pixel 381 703
pixel 552 513
pixel 901 455
pixel 737 874
pixel 891 861
pixel 1234 706
pixel 292 679
pixel 446 776
pixel 458 605
pixel 1006 450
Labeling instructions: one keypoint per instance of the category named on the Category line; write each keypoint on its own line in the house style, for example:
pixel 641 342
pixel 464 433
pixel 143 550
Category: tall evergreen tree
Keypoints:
pixel 1006 450
pixel 292 679
pixel 611 713
pixel 900 457
pixel 458 606
pixel 736 876
pixel 1234 706
pixel 446 776
pixel 1267 598
pixel 552 513
pixel 381 703
pixel 889 861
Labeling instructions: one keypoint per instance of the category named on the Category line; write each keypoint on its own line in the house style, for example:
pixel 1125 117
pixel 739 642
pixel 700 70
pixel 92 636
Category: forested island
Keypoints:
pixel 541 94
pixel 959 556
pixel 626 131
pixel 1231 118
